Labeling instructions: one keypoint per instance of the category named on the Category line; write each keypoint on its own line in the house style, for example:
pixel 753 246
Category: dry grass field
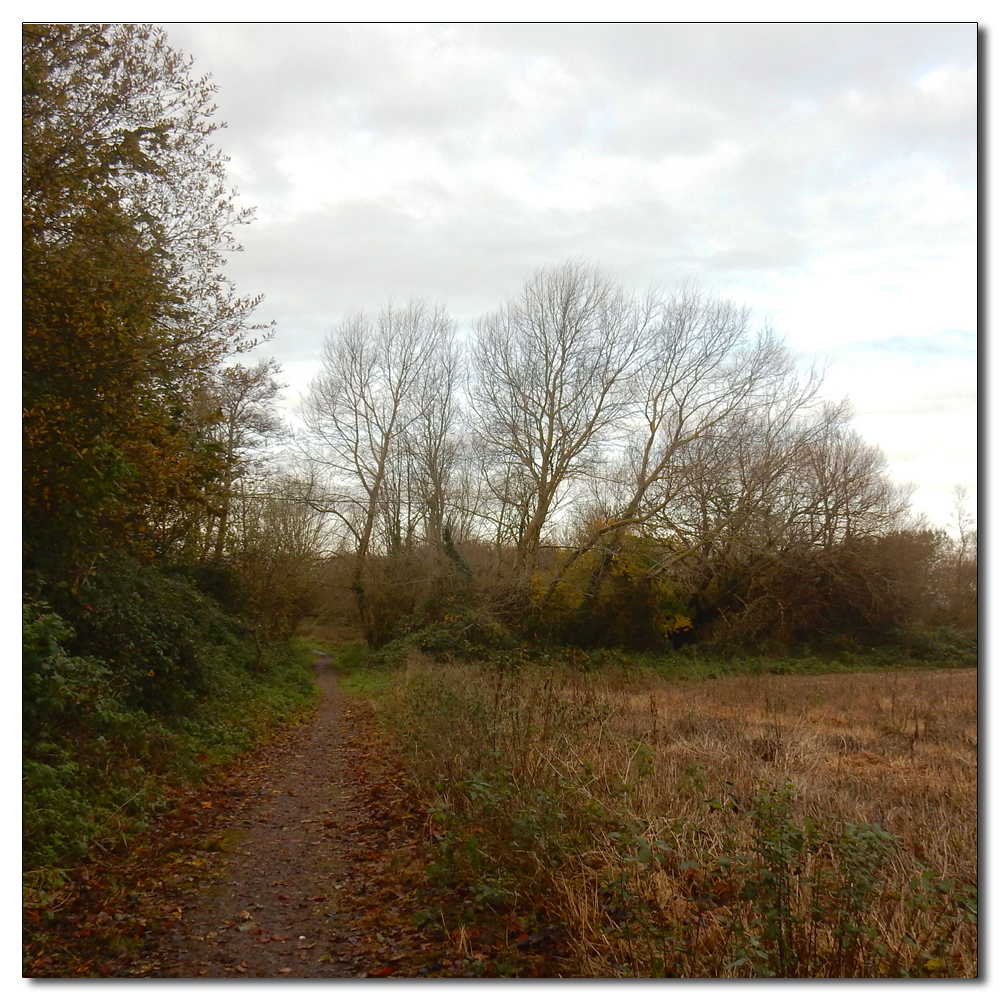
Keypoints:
pixel 897 749
pixel 820 826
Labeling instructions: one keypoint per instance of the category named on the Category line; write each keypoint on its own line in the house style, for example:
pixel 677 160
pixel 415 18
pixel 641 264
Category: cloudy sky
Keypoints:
pixel 823 174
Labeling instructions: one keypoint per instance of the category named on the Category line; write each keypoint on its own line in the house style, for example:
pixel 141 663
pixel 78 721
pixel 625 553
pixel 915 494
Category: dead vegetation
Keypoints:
pixel 749 826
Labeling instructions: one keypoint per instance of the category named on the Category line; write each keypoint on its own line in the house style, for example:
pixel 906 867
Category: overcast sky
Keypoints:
pixel 823 174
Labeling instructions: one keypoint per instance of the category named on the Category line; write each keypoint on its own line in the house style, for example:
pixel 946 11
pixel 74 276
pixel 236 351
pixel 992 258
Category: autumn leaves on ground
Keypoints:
pixel 541 820
pixel 583 543
pixel 306 860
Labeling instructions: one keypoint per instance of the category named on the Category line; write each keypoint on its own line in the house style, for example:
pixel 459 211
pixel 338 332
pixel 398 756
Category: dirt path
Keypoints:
pixel 267 911
pixel 306 861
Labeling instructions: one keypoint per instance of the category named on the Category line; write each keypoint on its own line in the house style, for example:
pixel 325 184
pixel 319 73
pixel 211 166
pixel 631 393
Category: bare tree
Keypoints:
pixel 432 443
pixel 549 386
pixel 243 401
pixel 276 544
pixel 705 383
pixel 959 562
pixel 775 535
pixel 842 486
pixel 699 459
pixel 380 390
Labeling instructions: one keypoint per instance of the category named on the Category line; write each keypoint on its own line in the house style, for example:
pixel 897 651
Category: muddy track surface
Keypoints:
pixel 301 862
pixel 272 908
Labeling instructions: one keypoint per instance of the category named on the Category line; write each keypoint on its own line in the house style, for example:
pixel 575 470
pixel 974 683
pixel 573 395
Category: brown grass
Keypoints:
pixel 898 749
pixel 621 762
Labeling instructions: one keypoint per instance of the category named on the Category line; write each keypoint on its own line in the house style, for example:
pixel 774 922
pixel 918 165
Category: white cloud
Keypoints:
pixel 824 174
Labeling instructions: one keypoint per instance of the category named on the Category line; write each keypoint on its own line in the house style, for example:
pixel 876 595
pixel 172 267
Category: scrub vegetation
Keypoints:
pixel 668 659
pixel 750 825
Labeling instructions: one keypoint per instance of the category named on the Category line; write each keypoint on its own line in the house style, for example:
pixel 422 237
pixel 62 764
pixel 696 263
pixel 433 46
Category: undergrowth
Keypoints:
pixel 96 767
pixel 539 798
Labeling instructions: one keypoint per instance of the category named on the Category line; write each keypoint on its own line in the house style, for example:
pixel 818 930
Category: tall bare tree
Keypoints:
pixel 959 562
pixel 276 545
pixel 551 369
pixel 705 380
pixel 774 535
pixel 841 485
pixel 431 441
pixel 242 399
pixel 381 389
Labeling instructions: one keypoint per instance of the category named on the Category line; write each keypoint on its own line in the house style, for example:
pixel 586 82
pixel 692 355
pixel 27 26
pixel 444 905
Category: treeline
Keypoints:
pixel 589 466
pixel 163 574
pixel 599 468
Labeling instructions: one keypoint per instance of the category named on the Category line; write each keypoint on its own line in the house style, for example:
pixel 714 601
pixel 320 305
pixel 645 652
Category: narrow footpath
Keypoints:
pixel 303 861
pixel 272 910
pixel 307 860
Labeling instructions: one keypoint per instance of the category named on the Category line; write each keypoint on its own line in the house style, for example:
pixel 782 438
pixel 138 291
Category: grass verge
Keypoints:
pixel 94 785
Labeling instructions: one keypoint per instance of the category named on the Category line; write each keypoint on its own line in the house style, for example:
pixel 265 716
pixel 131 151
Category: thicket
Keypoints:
pixel 102 755
pixel 601 469
pixel 164 570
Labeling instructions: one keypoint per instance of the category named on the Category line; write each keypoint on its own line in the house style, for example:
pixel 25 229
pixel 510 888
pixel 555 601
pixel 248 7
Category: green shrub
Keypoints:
pixel 96 765
pixel 157 632
pixel 352 656
pixel 57 689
